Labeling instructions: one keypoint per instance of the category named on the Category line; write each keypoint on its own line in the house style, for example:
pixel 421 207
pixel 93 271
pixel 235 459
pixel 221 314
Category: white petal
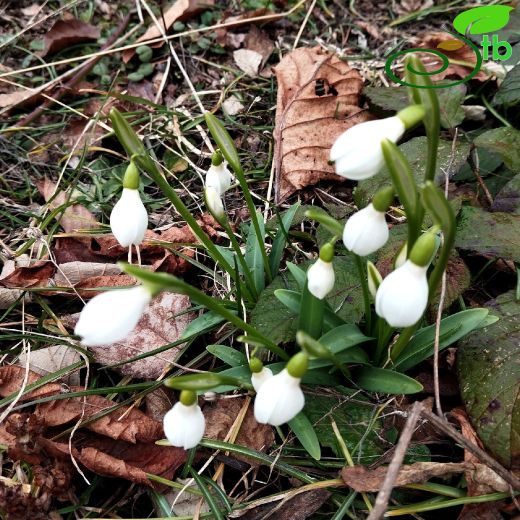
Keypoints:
pixel 214 202
pixel 129 219
pixel 218 178
pixel 403 295
pixel 184 425
pixel 357 152
pixel 111 316
pixel 279 399
pixel 259 378
pixel 365 231
pixel 320 278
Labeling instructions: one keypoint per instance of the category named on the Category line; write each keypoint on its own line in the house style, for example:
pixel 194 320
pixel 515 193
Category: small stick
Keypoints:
pixel 138 251
pixel 395 465
pixel 130 254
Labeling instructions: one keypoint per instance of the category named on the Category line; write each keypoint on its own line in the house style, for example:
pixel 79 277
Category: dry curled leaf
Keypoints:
pixel 318 99
pixel 35 274
pixel 65 33
pixel 162 323
pixel 74 217
pixel 362 479
pixel 179 11
pixel 248 61
pixel 9 296
pixel 70 274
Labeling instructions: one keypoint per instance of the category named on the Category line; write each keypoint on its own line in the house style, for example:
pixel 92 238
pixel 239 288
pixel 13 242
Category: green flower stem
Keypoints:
pixel 169 282
pixel 136 151
pixel 404 337
pixel 227 147
pixel 384 333
pixel 251 289
pixel 366 293
pixel 311 314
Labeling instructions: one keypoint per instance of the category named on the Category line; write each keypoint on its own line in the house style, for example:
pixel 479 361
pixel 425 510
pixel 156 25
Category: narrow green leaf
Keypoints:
pixel 343 337
pixel 298 274
pixel 280 240
pixel 253 256
pixel 304 431
pixel 229 355
pixel 202 324
pixel 208 497
pixel 452 329
pixel 200 382
pixel 386 381
pixel 333 225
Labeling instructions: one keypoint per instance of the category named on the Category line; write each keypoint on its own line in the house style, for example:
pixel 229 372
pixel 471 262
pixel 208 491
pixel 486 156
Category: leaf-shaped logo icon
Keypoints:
pixel 485 19
pixel 451 45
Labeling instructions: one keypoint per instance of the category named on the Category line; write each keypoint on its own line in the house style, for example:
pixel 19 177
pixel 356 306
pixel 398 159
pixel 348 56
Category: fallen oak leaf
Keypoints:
pixel 179 11
pixel 65 33
pixel 318 99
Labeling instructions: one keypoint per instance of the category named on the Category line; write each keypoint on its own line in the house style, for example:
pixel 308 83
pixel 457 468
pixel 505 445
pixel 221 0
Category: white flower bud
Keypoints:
pixel 214 203
pixel 109 317
pixel 403 295
pixel 259 378
pixel 279 399
pixel 365 231
pixel 320 278
pixel 219 178
pixel 357 152
pixel 129 219
pixel 184 425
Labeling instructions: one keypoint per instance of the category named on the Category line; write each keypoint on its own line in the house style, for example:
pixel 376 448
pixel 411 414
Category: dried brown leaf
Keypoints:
pixel 248 61
pixel 36 274
pixel 9 296
pixel 318 99
pixel 257 40
pixel 65 33
pixel 17 97
pixel 180 10
pixel 73 273
pixel 74 217
pixel 362 479
pixel 221 415
pixel 159 325
pixel 11 380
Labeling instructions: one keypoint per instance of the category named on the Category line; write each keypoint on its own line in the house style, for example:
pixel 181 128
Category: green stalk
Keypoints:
pixel 366 293
pixel 227 147
pixel 311 314
pixel 168 282
pixel 136 150
pixel 245 268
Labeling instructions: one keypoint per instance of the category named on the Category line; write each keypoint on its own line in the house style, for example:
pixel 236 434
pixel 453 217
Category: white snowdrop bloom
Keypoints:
pixel 320 278
pixel 357 151
pixel 402 297
pixel 365 231
pixel 259 378
pixel 109 317
pixel 184 425
pixel 279 399
pixel 219 177
pixel 214 203
pixel 129 219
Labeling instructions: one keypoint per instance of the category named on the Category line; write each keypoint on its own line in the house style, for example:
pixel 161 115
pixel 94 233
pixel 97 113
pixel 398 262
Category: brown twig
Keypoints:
pixel 395 465
pixel 476 170
pixel 82 72
pixel 445 427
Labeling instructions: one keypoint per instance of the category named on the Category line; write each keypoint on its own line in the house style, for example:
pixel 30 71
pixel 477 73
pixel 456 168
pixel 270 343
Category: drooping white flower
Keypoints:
pixel 402 297
pixel 357 152
pixel 219 178
pixel 214 203
pixel 129 219
pixel 184 425
pixel 320 278
pixel 259 378
pixel 279 399
pixel 365 231
pixel 111 316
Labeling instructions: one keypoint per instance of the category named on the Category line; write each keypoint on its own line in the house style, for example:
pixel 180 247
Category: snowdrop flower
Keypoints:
pixel 320 276
pixel 259 373
pixel 402 296
pixel 218 175
pixel 366 230
pixel 214 203
pixel 280 398
pixel 357 152
pixel 184 424
pixel 110 316
pixel 129 219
